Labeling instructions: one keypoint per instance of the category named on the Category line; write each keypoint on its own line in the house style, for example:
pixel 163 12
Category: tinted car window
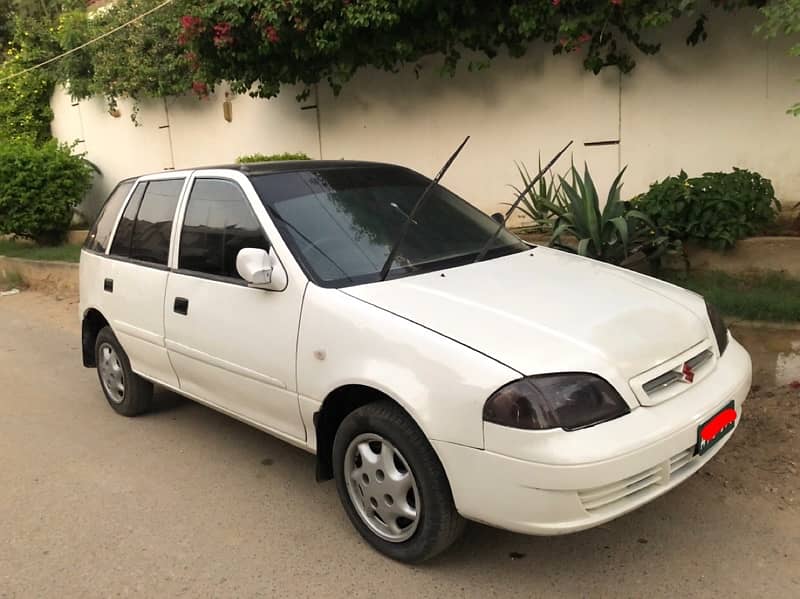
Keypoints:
pixel 121 246
pixel 342 222
pixel 153 225
pixel 218 223
pixel 100 234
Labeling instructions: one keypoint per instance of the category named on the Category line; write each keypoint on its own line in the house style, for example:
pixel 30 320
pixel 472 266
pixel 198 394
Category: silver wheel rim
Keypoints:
pixel 111 373
pixel 382 487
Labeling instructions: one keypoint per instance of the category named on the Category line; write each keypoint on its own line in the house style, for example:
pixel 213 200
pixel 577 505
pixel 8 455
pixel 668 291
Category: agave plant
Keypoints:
pixel 537 202
pixel 610 234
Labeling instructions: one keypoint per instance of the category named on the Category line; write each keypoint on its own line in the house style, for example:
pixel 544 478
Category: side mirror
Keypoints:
pixel 499 218
pixel 261 269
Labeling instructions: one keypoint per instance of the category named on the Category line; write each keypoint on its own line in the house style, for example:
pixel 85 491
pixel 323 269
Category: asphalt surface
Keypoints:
pixel 187 502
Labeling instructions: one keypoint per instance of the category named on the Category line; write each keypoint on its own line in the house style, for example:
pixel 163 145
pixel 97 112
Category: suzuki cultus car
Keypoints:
pixel 526 388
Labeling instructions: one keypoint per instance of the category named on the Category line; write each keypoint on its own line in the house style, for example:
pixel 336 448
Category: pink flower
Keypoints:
pixel 191 58
pixel 616 2
pixel 272 34
pixel 555 2
pixel 200 88
pixel 585 37
pixel 191 24
pixel 222 35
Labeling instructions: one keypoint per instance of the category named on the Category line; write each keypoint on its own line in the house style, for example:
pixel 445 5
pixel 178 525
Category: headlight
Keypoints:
pixel 720 330
pixel 569 401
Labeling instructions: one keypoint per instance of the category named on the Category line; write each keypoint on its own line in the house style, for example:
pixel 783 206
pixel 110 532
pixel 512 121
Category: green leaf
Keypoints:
pixel 621 225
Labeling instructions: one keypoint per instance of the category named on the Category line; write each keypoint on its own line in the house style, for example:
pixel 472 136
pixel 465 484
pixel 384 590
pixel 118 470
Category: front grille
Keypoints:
pixel 673 376
pixel 625 489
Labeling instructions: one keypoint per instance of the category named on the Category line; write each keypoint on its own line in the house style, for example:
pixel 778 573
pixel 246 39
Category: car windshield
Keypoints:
pixel 342 222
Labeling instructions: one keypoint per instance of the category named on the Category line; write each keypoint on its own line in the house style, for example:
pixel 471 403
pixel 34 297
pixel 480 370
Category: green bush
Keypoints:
pixel 271 157
pixel 716 209
pixel 39 187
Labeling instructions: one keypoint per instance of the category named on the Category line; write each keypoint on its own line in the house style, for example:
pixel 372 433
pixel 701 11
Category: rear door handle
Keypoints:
pixel 181 306
pixel 108 285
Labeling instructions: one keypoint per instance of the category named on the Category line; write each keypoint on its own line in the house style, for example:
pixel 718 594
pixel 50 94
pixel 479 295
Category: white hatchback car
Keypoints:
pixel 534 390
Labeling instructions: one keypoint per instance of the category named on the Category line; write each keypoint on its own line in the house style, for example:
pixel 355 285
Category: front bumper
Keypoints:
pixel 557 482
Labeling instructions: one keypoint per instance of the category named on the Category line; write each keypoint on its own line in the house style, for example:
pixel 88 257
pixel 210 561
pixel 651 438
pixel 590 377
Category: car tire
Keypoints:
pixel 126 392
pixel 392 484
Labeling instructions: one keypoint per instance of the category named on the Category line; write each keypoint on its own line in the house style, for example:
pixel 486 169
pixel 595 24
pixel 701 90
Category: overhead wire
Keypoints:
pixel 88 43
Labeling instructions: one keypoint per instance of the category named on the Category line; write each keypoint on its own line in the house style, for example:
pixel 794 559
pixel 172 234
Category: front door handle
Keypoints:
pixel 181 306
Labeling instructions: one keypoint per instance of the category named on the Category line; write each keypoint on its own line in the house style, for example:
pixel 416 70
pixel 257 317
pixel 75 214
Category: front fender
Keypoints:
pixel 441 383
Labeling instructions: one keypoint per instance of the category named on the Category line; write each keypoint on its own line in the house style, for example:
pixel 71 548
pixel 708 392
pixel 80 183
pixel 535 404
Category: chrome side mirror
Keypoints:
pixel 261 269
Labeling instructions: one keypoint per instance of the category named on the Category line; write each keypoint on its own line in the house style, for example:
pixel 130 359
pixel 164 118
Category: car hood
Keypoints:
pixel 545 310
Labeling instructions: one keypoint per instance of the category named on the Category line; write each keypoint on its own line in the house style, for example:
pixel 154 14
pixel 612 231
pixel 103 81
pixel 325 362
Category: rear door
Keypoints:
pixel 137 277
pixel 232 346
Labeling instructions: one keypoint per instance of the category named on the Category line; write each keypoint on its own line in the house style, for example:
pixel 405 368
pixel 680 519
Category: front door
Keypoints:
pixel 232 346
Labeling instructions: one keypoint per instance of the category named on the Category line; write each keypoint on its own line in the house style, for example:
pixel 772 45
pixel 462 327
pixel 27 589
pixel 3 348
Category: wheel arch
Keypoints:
pixel 336 406
pixel 92 323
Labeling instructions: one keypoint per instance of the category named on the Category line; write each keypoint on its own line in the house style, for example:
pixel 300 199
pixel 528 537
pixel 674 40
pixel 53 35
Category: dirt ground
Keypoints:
pixel 187 502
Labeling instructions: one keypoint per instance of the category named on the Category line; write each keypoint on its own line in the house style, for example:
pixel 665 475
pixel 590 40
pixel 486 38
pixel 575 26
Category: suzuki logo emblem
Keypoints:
pixel 688 373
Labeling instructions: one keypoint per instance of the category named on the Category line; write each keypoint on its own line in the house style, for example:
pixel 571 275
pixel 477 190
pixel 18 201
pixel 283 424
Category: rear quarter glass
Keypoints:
pixel 100 233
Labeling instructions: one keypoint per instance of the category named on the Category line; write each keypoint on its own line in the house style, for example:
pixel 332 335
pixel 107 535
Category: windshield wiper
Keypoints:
pixel 417 205
pixel 521 195
pixel 274 213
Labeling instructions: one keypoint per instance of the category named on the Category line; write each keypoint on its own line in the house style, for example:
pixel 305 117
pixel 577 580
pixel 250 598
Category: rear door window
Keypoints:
pixel 153 226
pixel 100 235
pixel 145 227
pixel 218 223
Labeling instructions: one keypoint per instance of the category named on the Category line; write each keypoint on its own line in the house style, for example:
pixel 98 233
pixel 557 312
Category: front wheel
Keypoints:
pixel 392 485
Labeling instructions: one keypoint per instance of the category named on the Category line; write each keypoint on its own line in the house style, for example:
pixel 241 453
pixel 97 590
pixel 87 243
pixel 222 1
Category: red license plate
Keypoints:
pixel 715 428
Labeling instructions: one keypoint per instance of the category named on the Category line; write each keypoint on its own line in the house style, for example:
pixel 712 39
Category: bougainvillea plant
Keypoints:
pixel 259 45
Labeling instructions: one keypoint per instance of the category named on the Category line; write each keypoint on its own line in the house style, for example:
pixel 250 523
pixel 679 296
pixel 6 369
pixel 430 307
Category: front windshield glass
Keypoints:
pixel 342 222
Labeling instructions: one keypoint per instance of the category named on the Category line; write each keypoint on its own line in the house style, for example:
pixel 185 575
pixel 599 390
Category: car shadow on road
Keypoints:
pixel 165 401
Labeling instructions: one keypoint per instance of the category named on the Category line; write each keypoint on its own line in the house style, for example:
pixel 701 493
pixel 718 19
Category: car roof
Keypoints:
pixel 263 168
pixel 282 166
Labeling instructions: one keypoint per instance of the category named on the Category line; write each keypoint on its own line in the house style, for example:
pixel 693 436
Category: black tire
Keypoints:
pixel 439 524
pixel 137 395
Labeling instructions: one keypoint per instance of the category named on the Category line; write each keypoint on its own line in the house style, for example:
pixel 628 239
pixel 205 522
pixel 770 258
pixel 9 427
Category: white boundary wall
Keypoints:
pixel 707 108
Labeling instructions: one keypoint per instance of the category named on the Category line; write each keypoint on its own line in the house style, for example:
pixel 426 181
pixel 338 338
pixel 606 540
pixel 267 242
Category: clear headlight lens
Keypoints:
pixel 567 400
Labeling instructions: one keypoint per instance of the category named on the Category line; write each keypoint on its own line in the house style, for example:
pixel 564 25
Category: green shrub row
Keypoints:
pixel 40 185
pixel 716 209
pixel 248 158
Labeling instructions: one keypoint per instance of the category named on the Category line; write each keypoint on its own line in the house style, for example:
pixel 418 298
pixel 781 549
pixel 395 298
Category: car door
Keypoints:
pixel 135 279
pixel 232 346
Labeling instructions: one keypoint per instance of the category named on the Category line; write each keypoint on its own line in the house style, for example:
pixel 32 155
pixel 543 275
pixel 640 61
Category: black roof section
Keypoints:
pixel 283 166
pixel 264 168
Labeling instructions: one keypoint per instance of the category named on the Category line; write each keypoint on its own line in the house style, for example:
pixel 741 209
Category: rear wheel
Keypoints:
pixel 126 392
pixel 392 485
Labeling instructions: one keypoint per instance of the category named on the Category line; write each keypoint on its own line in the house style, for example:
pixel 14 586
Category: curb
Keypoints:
pixel 765 324
pixel 57 278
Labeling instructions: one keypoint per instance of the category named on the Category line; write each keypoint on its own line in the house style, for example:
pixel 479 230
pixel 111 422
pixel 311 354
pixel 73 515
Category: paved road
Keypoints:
pixel 187 502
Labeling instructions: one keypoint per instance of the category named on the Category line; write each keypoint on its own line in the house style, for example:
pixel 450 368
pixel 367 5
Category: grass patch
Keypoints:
pixel 757 296
pixel 63 253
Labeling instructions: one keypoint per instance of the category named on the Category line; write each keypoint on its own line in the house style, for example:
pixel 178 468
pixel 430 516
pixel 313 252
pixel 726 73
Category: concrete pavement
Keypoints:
pixel 187 502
